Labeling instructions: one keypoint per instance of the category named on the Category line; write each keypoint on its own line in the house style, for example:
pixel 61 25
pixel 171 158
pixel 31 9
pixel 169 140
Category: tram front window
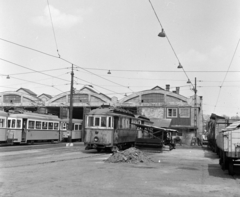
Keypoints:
pixel 97 121
pixel 90 121
pixel 103 121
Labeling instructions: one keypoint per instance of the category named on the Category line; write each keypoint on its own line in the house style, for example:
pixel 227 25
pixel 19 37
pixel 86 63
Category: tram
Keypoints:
pixel 3 126
pixel 76 130
pixel 111 128
pixel 31 127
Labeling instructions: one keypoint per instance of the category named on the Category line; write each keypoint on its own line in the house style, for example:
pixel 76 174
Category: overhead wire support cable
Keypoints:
pixel 32 69
pixel 53 29
pixel 226 74
pixel 168 39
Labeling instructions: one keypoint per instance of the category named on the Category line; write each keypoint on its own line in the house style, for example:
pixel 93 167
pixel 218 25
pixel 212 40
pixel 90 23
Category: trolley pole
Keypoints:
pixel 71 107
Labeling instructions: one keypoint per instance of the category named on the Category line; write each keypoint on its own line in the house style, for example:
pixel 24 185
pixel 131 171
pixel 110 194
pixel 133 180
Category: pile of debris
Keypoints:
pixel 131 155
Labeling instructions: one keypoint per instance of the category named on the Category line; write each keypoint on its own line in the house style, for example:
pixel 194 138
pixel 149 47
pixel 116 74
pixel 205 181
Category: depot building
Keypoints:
pixel 186 114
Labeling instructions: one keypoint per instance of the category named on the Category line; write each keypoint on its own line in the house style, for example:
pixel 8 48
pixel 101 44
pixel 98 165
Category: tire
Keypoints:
pixel 99 150
pixel 224 163
pixel 230 167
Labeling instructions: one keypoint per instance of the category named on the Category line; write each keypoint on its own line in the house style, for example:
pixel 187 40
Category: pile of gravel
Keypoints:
pixel 131 155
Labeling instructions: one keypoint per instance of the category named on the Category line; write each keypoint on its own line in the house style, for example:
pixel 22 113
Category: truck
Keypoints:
pixel 228 144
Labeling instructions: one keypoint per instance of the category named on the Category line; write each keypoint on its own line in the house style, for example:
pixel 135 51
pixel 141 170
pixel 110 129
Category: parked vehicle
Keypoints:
pixel 76 133
pixel 3 126
pixel 111 128
pixel 228 143
pixel 28 127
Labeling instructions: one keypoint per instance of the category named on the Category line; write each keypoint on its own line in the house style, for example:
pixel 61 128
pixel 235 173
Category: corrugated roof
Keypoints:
pixel 28 91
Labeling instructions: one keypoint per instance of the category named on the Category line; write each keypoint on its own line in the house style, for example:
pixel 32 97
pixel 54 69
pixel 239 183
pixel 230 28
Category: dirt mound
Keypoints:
pixel 131 155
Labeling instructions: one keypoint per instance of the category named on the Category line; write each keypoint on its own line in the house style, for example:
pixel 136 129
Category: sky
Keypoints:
pixel 121 36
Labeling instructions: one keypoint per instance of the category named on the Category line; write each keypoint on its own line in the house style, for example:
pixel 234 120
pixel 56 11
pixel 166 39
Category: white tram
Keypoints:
pixel 3 126
pixel 76 130
pixel 30 127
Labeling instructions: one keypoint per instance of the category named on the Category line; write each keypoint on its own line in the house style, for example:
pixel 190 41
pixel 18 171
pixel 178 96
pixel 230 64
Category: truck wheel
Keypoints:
pixel 231 167
pixel 224 161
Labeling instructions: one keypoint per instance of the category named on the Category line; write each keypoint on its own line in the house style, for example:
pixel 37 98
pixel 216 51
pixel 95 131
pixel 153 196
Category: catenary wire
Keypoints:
pixel 53 28
pixel 219 92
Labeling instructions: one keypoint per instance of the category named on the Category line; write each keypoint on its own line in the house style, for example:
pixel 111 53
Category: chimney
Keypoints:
pixel 167 87
pixel 177 90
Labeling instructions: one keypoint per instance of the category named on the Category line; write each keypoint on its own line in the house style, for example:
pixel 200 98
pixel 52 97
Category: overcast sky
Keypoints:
pixel 121 35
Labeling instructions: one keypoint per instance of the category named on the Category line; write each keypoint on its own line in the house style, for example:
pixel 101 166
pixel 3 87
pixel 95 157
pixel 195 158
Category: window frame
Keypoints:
pixel 171 116
pixel 3 123
pixel 179 111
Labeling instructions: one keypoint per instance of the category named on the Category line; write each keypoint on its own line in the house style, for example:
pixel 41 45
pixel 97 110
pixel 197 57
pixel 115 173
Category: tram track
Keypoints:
pixel 54 161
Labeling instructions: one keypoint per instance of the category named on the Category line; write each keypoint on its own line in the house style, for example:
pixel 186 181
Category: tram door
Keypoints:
pixel 24 130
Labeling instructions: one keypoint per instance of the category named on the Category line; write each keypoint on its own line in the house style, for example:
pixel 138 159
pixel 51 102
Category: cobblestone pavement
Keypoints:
pixel 71 171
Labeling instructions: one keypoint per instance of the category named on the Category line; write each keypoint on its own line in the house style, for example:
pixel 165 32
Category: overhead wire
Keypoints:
pixel 169 40
pixel 219 92
pixel 53 29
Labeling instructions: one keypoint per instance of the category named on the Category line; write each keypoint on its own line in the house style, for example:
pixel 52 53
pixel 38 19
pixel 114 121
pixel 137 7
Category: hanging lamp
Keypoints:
pixel 162 33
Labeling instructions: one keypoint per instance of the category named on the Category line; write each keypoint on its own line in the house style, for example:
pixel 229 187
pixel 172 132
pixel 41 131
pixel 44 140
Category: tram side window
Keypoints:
pixel 103 121
pixel 9 123
pixel 19 123
pixel 97 121
pixel 2 123
pixel 127 123
pixel 50 125
pixel 110 122
pixel 44 125
pixel 31 124
pixel 120 123
pixel 80 127
pixel 13 125
pixel 76 127
pixel 38 125
pixel 90 121
pixel 55 126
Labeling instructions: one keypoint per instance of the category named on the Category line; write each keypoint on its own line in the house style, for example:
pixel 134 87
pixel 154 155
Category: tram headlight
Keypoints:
pixel 95 139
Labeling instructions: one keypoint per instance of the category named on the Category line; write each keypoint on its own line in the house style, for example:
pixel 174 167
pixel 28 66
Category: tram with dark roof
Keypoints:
pixel 111 128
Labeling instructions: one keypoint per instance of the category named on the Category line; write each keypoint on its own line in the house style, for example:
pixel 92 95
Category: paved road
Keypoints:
pixel 72 171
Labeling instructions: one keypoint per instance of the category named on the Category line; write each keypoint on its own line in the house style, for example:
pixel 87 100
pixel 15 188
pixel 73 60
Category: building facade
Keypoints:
pixel 157 103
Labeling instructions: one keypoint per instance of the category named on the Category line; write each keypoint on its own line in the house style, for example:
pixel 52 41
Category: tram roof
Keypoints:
pixel 73 120
pixel 3 113
pixel 232 126
pixel 110 111
pixel 35 116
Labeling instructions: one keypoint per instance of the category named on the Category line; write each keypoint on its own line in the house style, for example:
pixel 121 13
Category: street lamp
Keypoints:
pixel 162 33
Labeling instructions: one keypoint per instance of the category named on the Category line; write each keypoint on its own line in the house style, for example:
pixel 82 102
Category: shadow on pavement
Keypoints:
pixel 216 171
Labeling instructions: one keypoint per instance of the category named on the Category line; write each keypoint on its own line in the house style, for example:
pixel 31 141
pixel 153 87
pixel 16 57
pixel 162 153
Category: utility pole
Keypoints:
pixel 195 106
pixel 71 107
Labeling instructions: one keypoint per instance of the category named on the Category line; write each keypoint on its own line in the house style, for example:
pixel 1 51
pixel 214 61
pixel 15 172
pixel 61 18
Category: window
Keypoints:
pixel 38 124
pixel 31 124
pixel 80 127
pixel 153 98
pixel 64 125
pixel 97 121
pixel 127 123
pixel 120 123
pixel 110 122
pixel 50 125
pixel 172 112
pixel 13 125
pixel 90 121
pixel 55 126
pixel 76 127
pixel 44 125
pixel 9 123
pixel 184 112
pixel 19 124
pixel 2 122
pixel 103 121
